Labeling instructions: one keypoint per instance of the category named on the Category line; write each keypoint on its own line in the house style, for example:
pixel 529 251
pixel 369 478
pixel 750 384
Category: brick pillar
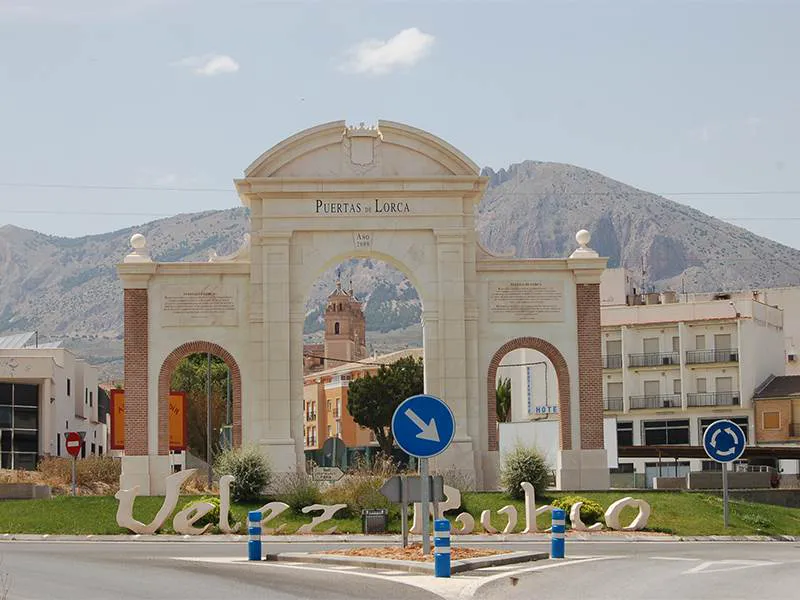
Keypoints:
pixel 590 366
pixel 136 315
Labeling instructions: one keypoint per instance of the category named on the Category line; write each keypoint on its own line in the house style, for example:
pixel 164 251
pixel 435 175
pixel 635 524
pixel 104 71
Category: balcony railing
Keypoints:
pixel 612 361
pixel 614 404
pixel 654 359
pixel 713 399
pixel 670 401
pixel 312 416
pixel 701 357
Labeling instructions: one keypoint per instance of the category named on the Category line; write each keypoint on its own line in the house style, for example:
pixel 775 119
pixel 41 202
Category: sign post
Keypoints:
pixel 329 474
pixel 423 426
pixel 724 442
pixel 73 441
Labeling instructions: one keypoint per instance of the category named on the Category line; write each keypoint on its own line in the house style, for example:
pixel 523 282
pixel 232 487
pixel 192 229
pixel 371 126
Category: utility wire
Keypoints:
pixel 214 190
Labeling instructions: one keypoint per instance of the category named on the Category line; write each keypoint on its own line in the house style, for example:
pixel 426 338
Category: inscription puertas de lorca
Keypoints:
pixel 356 207
pixel 538 301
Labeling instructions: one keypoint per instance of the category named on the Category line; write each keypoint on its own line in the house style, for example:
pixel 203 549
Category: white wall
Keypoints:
pixel 540 391
pixel 543 435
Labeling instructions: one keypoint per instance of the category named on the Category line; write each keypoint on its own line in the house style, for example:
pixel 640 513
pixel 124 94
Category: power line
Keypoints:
pixel 91 213
pixel 213 190
pixel 345 362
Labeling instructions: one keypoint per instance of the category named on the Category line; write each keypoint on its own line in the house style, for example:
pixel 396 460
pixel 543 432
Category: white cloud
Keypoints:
pixel 209 65
pixel 379 57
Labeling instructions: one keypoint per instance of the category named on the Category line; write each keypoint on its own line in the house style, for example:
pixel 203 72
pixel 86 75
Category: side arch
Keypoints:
pixel 562 374
pixel 165 375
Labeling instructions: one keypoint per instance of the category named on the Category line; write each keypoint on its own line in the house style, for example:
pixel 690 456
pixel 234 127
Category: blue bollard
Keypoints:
pixel 254 529
pixel 557 531
pixel 441 548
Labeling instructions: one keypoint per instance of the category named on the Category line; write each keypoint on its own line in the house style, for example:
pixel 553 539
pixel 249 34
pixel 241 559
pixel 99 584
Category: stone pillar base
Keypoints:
pixel 459 457
pixel 583 470
pixel 148 472
pixel 282 455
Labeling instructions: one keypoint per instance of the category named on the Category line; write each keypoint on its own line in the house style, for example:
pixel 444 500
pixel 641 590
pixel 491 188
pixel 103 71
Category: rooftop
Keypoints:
pixel 780 387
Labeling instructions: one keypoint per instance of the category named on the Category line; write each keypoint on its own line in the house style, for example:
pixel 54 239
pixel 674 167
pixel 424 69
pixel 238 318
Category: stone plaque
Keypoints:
pixel 199 306
pixel 526 301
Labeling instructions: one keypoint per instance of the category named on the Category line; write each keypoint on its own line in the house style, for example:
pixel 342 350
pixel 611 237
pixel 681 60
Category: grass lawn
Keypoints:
pixel 679 513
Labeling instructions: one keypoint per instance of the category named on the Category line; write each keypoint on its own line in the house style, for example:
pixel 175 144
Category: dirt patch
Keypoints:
pixel 414 552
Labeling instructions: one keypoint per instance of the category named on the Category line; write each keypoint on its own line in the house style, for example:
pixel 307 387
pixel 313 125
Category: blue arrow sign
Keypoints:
pixel 423 426
pixel 724 441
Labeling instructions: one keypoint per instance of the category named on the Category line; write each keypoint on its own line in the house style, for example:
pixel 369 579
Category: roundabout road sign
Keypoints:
pixel 423 426
pixel 724 441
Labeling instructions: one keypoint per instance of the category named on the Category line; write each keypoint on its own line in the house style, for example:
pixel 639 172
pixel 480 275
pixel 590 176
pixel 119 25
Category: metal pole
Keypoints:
pixel 404 509
pixel 425 516
pixel 73 476
pixel 208 419
pixel 228 407
pixel 725 494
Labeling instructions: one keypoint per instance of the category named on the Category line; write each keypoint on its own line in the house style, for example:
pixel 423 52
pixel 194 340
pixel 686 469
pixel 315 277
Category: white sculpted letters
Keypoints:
pixel 184 520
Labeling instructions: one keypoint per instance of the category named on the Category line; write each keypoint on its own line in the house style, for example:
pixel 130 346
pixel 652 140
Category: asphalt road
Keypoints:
pixel 214 571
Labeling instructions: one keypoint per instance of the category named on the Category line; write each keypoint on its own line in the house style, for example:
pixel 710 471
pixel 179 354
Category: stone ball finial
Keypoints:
pixel 138 241
pixel 583 238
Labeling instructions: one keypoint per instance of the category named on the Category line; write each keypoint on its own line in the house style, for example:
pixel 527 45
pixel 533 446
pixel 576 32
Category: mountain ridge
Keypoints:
pixel 532 207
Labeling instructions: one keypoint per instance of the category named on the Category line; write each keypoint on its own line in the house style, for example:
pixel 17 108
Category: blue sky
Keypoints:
pixel 671 97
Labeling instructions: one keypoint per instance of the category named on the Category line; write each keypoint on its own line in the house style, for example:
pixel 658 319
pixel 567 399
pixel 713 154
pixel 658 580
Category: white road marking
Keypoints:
pixel 344 567
pixel 728 565
pixel 674 558
pixel 470 590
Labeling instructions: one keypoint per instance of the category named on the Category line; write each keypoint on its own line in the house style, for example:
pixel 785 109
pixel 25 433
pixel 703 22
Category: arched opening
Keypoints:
pixel 186 367
pixel 377 313
pixel 553 359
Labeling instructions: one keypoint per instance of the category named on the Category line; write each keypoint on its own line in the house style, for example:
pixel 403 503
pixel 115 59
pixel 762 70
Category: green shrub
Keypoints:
pixel 297 490
pixel 360 487
pixel 756 521
pixel 251 471
pixel 591 511
pixel 210 518
pixel 520 465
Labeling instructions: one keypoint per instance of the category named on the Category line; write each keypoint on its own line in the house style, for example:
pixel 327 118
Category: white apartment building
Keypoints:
pixel 671 368
pixel 46 391
pixel 785 298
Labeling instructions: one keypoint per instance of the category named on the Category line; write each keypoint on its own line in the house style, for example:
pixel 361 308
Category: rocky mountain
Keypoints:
pixel 67 287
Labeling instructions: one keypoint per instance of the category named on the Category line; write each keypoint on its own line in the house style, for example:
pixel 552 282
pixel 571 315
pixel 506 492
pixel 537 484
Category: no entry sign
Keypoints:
pixel 73 443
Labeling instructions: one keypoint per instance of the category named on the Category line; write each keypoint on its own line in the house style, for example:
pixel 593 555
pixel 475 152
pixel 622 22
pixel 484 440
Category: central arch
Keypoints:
pixel 165 375
pixel 562 373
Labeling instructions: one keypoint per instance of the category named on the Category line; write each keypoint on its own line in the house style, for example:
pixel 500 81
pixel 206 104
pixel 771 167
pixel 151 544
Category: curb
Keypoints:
pixel 382 539
pixel 410 566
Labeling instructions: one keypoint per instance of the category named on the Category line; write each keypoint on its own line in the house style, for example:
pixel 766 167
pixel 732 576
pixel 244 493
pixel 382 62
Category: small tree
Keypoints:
pixel 372 400
pixel 503 400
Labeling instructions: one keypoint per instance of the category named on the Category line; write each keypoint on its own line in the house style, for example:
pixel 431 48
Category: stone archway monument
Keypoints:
pixel 393 193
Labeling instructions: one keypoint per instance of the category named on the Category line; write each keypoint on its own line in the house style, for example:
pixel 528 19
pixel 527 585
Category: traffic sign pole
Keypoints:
pixel 725 494
pixel 425 485
pixel 423 426
pixel 404 509
pixel 724 441
pixel 73 475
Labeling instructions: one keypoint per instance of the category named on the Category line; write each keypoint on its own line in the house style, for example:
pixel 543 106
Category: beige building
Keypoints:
pixel 670 368
pixel 46 391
